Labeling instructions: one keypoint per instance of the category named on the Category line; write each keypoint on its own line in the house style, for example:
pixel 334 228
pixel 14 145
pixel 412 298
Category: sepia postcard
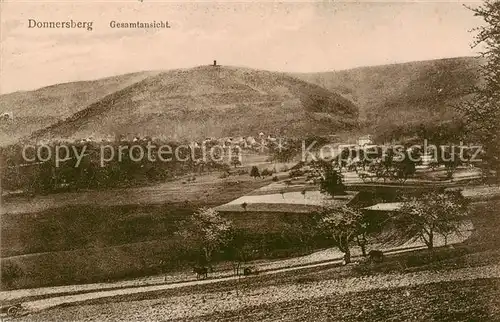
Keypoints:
pixel 249 160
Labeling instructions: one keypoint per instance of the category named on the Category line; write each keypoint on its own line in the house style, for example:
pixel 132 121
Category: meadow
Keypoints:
pixel 440 285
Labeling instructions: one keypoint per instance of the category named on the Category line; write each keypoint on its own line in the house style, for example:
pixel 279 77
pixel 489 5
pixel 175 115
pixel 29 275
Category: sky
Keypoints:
pixel 289 36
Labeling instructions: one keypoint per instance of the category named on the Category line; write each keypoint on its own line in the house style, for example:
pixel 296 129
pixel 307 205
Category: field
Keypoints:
pixel 446 301
pixel 459 283
pixel 96 235
pixel 208 188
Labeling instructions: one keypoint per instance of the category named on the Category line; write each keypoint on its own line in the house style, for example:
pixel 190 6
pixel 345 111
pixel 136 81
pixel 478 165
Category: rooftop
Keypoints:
pixel 388 206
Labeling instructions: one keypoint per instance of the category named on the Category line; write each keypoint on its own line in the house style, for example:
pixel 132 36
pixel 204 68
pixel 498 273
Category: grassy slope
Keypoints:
pixel 403 94
pixel 206 101
pixel 33 110
pixel 106 218
pixel 87 241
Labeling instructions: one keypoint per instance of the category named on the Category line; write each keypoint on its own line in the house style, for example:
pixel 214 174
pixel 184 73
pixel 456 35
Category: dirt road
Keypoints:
pixel 320 258
pixel 199 304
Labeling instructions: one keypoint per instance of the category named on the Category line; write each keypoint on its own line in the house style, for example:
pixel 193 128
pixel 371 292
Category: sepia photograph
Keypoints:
pixel 249 160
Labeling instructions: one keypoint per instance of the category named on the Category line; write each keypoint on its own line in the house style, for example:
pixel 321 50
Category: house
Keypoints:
pixel 271 138
pixel 251 140
pixel 365 140
pixel 238 140
pixel 7 116
pixel 385 207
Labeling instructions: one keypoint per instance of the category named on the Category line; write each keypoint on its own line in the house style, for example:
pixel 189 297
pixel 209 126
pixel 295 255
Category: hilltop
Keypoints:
pixel 394 99
pixel 208 101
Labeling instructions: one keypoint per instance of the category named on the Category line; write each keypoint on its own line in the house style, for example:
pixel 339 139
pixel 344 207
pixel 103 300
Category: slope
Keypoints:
pixel 394 99
pixel 210 101
pixel 33 110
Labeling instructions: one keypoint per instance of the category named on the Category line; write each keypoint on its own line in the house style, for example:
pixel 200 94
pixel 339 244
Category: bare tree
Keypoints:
pixel 207 231
pixel 482 111
pixel 435 213
pixel 343 225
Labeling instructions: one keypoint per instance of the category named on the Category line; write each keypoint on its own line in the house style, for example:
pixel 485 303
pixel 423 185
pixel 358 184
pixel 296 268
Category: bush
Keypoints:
pixel 296 173
pixel 275 178
pixel 266 173
pixel 10 272
pixel 254 172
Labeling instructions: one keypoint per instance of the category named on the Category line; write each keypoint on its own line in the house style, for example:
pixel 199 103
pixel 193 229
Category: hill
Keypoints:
pixel 33 110
pixel 394 99
pixel 389 101
pixel 210 101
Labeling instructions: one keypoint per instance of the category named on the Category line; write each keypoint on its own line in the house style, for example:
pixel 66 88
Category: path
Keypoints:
pixel 287 265
pixel 199 304
pixel 324 257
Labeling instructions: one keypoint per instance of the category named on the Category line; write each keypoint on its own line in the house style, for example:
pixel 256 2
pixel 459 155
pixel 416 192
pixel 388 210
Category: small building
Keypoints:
pixel 386 207
pixel 271 138
pixel 251 140
pixel 365 140
pixel 7 116
pixel 427 159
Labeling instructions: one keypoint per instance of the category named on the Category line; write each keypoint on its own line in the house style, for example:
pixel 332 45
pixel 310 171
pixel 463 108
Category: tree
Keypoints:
pixel 343 225
pixel 433 213
pixel 235 160
pixel 388 159
pixel 450 158
pixel 343 157
pixel 482 111
pixel 207 231
pixel 266 173
pixel 239 248
pixel 254 172
pixel 330 180
pixel 300 231
pixel 283 151
pixel 407 166
pixel 362 235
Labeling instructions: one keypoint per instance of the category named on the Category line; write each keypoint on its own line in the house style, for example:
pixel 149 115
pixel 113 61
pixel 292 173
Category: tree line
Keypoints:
pixel 43 173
